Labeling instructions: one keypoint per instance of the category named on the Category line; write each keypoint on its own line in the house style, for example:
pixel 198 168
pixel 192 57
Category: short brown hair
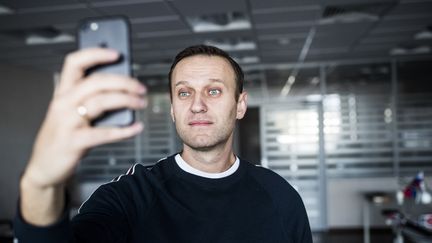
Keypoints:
pixel 209 51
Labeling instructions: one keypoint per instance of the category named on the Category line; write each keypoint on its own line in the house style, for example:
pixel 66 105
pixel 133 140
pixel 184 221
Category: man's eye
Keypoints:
pixel 214 92
pixel 183 94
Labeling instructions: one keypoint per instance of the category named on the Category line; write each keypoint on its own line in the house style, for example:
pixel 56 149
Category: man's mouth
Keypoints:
pixel 200 123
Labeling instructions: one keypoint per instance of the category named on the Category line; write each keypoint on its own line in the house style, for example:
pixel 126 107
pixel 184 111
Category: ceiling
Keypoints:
pixel 259 34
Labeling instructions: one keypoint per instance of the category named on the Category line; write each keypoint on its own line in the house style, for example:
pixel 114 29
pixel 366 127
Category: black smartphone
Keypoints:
pixel 113 33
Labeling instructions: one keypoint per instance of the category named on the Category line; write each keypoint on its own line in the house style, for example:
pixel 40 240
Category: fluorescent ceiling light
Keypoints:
pixel 210 27
pixel 43 40
pixel 349 18
pixel 5 10
pixel 247 59
pixel 423 35
pixel 287 87
pixel 398 51
pixel 410 51
pixel 284 41
pixel 314 81
pixel 219 22
pixel 229 46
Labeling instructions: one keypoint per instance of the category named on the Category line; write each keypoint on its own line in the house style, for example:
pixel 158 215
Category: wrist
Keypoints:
pixel 41 205
pixel 34 178
pixel 30 184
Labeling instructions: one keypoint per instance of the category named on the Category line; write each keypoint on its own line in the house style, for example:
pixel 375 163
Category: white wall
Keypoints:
pixel 24 95
pixel 346 197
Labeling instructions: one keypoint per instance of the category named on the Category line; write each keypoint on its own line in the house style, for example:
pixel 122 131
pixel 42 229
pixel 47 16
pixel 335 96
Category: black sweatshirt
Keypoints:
pixel 168 204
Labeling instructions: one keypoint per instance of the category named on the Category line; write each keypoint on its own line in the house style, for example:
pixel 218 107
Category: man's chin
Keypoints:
pixel 201 146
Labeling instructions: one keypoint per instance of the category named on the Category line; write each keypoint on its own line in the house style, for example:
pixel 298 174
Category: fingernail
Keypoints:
pixel 113 53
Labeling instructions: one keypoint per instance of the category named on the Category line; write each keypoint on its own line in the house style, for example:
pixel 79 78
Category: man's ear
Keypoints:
pixel 172 113
pixel 242 105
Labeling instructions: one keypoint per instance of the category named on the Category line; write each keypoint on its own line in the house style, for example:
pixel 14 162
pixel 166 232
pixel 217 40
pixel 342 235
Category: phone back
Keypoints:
pixel 110 33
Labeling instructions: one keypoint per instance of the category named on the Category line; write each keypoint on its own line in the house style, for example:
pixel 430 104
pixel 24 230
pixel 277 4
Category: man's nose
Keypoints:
pixel 198 104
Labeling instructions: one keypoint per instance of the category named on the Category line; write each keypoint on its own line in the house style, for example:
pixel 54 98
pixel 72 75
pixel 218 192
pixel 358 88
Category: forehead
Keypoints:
pixel 203 67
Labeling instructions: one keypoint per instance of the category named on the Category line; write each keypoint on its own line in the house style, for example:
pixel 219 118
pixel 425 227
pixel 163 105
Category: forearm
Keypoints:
pixel 41 205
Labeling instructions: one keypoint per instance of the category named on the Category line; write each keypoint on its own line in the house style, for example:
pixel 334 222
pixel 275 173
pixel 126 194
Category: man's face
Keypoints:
pixel 203 101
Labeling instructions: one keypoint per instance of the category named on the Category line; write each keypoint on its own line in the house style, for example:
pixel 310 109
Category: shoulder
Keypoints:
pixel 144 172
pixel 286 200
pixel 139 181
pixel 275 185
pixel 264 175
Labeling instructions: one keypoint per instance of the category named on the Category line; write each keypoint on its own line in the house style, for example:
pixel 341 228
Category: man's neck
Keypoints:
pixel 211 161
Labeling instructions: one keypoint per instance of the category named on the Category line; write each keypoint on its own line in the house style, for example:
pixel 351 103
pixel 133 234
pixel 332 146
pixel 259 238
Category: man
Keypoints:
pixel 203 194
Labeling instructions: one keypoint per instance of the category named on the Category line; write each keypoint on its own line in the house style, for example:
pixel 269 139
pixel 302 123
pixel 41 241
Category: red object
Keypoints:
pixel 426 220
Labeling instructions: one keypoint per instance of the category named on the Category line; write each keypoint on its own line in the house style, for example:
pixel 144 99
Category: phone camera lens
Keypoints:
pixel 94 26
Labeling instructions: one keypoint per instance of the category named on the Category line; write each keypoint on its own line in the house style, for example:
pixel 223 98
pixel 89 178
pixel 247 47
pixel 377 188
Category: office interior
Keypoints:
pixel 340 99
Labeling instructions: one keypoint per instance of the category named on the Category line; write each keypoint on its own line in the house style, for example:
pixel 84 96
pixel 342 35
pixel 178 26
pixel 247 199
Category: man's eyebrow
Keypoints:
pixel 216 80
pixel 181 82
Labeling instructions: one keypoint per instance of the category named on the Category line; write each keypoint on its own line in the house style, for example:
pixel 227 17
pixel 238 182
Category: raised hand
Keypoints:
pixel 66 134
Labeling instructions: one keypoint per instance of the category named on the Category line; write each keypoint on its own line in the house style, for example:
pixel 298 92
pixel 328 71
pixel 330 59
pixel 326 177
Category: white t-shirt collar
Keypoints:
pixel 186 167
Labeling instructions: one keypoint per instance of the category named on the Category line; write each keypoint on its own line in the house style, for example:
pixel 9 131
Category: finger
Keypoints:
pixel 99 83
pixel 92 137
pixel 78 62
pixel 101 103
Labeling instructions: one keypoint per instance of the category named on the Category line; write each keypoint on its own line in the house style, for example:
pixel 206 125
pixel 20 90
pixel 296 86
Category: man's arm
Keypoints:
pixel 65 136
pixel 41 205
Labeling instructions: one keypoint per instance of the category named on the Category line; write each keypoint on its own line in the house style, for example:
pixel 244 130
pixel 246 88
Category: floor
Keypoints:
pixel 353 236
